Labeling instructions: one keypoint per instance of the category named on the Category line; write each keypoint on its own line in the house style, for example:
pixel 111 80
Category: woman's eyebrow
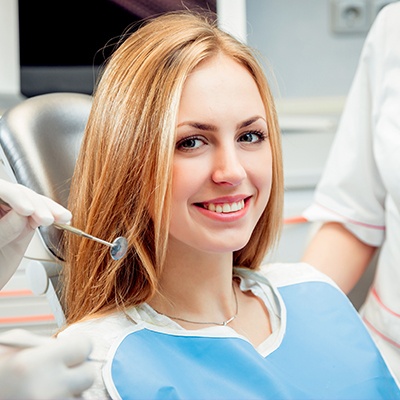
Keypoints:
pixel 199 125
pixel 249 121
pixel 212 128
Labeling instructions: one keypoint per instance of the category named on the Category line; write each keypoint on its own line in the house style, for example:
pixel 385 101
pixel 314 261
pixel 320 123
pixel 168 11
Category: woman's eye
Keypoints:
pixel 252 137
pixel 190 143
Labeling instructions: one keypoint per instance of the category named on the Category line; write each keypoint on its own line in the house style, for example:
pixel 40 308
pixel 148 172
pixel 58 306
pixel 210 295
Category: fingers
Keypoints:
pixel 81 378
pixel 22 338
pixel 40 209
pixel 46 212
pixel 13 226
pixel 42 372
pixel 10 192
pixel 74 349
pixel 74 352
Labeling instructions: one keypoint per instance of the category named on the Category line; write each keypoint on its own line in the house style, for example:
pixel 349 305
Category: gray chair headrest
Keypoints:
pixel 41 138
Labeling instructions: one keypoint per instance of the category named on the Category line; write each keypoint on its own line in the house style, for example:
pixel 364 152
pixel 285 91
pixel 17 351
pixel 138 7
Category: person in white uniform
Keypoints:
pixel 358 196
pixel 181 155
pixel 49 368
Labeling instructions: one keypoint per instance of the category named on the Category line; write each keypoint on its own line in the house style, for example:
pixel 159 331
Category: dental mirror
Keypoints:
pixel 118 247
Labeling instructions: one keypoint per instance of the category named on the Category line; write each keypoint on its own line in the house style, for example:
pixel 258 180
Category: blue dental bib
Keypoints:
pixel 325 353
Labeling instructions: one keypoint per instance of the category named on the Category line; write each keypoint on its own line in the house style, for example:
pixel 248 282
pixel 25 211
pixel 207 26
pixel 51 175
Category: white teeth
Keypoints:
pixel 226 207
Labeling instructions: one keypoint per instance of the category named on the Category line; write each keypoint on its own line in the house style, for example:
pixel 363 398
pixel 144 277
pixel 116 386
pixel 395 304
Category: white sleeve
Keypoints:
pixel 351 190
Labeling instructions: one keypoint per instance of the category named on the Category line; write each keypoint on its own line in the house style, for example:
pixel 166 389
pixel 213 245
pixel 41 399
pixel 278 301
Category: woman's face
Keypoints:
pixel 222 168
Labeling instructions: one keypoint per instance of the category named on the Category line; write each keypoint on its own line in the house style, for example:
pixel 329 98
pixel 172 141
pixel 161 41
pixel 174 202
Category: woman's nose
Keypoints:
pixel 229 169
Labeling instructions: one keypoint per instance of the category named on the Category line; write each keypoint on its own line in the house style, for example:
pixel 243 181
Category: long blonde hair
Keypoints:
pixel 124 170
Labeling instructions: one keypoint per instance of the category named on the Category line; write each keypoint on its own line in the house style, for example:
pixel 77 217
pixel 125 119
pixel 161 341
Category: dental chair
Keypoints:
pixel 39 143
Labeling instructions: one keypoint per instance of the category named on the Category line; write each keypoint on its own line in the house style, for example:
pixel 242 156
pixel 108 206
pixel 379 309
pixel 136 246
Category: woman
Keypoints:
pixel 182 156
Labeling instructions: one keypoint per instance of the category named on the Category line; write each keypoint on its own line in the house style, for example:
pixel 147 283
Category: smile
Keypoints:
pixel 224 208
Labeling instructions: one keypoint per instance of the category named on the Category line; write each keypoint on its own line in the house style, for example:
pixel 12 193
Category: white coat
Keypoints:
pixel 360 186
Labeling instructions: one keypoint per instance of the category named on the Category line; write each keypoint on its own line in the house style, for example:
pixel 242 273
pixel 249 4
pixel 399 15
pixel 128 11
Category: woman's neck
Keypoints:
pixel 196 286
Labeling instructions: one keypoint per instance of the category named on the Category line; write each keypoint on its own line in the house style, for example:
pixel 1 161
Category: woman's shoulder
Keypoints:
pixel 285 274
pixel 104 328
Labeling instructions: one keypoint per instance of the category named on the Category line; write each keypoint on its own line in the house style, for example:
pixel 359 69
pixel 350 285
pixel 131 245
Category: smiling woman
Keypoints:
pixel 181 155
pixel 219 190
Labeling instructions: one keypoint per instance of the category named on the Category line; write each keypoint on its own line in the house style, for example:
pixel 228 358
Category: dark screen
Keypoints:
pixel 70 32
pixel 63 43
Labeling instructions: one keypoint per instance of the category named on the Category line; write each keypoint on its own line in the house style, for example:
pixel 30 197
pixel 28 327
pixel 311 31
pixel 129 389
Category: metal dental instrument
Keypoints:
pixel 118 247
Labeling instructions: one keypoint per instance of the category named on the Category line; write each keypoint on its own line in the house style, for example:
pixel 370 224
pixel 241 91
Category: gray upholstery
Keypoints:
pixel 41 137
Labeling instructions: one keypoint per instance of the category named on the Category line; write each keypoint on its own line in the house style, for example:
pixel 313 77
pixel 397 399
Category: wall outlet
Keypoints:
pixel 350 16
